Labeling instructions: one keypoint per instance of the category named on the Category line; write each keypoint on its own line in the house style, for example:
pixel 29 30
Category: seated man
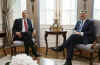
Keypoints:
pixel 84 33
pixel 22 30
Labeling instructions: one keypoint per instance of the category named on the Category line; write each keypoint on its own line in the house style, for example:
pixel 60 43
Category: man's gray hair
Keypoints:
pixel 25 11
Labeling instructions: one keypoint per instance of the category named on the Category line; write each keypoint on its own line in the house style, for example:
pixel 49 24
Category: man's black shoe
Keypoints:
pixel 66 63
pixel 37 55
pixel 59 49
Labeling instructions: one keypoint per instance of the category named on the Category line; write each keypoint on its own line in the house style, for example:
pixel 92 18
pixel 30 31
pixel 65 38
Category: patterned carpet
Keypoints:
pixel 50 61
pixel 5 59
pixel 61 62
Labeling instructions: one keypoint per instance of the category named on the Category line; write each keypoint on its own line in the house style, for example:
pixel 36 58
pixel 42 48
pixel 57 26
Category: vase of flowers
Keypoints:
pixel 56 27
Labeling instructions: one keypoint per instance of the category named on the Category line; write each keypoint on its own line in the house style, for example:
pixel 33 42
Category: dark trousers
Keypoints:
pixel 70 43
pixel 28 42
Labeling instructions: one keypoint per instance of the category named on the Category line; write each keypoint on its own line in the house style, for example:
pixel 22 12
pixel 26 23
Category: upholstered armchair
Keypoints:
pixel 18 43
pixel 92 48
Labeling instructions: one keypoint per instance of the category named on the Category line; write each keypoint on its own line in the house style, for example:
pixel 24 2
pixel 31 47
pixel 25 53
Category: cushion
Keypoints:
pixel 87 47
pixel 97 26
pixel 18 43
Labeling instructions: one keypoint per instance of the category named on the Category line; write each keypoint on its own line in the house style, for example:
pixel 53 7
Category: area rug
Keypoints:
pixel 50 61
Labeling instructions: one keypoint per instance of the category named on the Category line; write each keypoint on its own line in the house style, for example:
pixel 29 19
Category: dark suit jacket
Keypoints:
pixel 17 26
pixel 88 30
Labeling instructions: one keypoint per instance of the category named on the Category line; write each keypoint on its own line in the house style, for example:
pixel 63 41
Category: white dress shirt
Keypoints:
pixel 23 26
pixel 81 33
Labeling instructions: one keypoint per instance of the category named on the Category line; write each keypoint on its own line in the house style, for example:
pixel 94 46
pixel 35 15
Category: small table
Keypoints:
pixel 63 33
pixel 3 35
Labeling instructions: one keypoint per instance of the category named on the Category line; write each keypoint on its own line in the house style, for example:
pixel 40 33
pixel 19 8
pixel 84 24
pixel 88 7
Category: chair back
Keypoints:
pixel 97 26
pixel 1 42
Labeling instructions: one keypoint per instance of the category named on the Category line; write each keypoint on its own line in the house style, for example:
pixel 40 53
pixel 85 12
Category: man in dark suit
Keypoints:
pixel 22 30
pixel 84 33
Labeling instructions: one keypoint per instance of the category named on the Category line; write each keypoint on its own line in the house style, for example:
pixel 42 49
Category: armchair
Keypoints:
pixel 92 48
pixel 18 43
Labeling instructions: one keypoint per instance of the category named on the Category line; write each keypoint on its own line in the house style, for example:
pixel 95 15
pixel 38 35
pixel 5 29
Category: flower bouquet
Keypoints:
pixel 22 59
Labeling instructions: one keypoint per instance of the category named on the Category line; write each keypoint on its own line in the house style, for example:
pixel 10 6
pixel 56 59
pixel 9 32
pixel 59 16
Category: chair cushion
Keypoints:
pixel 18 43
pixel 87 47
pixel 97 46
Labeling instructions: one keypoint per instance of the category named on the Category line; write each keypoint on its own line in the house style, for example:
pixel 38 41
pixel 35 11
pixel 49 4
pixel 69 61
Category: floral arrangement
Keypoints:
pixel 56 27
pixel 22 59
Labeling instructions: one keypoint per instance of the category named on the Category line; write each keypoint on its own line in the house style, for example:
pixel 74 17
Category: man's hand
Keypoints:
pixel 19 34
pixel 78 33
pixel 34 33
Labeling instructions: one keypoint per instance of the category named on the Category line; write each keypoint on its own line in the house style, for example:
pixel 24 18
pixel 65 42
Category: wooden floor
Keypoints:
pixel 51 54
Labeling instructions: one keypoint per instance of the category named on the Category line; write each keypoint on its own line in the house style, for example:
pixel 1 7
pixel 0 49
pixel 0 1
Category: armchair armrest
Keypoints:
pixel 94 44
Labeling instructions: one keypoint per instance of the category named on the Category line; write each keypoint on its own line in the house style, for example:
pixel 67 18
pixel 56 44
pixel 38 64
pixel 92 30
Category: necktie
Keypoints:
pixel 26 26
pixel 81 25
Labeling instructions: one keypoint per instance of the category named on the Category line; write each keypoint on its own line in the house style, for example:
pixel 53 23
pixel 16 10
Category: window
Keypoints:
pixel 23 5
pixel 96 11
pixel 18 7
pixel 47 9
pixel 68 12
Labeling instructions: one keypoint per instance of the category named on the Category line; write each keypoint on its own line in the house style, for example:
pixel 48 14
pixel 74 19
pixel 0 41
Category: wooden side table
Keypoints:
pixel 63 33
pixel 3 35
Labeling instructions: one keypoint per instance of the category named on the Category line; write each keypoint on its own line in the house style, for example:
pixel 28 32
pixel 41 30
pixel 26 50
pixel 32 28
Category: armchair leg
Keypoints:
pixel 99 54
pixel 13 51
pixel 64 53
pixel 91 58
pixel 4 52
pixel 80 53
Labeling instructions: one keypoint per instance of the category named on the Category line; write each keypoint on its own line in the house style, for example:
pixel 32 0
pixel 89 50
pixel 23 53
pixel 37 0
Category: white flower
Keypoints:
pixel 22 59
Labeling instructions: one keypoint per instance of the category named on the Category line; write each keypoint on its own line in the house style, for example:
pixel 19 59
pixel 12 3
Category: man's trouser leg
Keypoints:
pixel 34 50
pixel 69 44
pixel 26 48
pixel 26 36
pixel 69 56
